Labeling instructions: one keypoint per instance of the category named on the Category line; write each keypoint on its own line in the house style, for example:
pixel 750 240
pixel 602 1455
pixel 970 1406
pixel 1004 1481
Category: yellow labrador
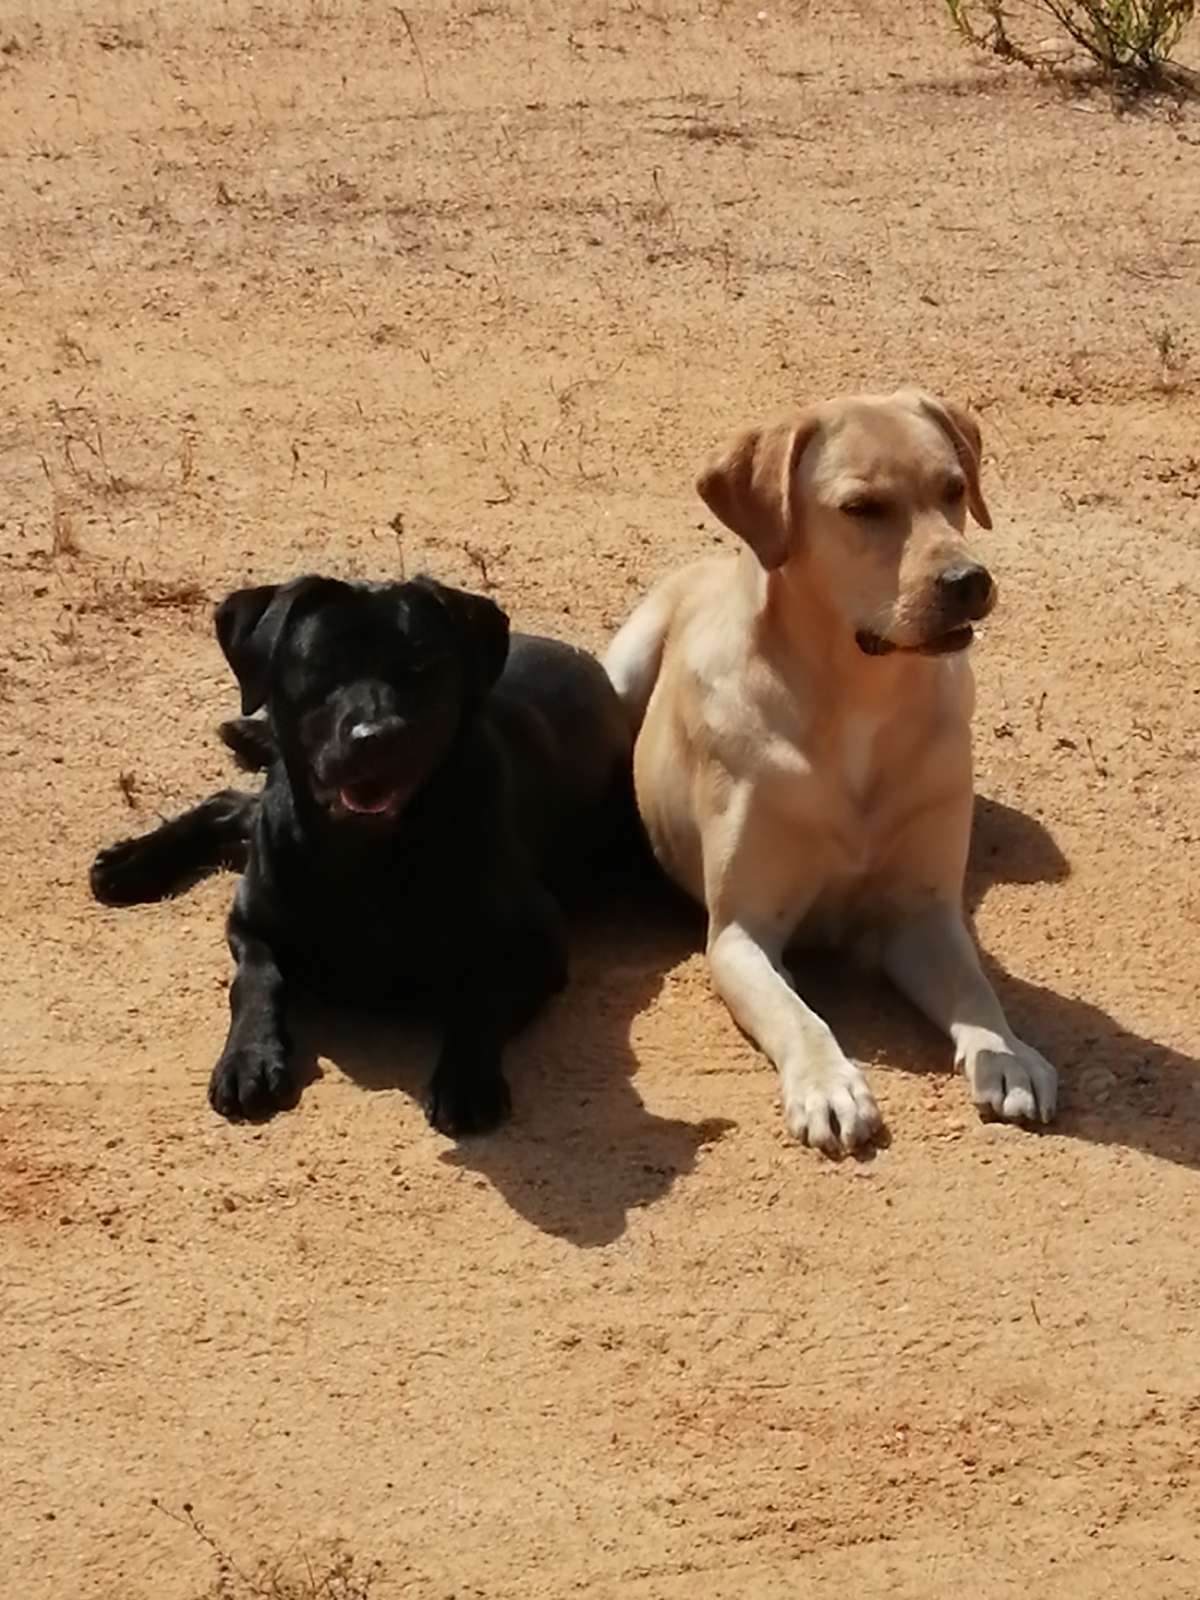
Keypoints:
pixel 803 760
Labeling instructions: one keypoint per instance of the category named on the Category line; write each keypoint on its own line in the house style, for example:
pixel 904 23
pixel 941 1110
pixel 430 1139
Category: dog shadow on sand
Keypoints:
pixel 581 1151
pixel 1115 1087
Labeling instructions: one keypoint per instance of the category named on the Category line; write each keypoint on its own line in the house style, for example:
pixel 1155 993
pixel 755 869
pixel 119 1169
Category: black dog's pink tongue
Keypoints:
pixel 367 800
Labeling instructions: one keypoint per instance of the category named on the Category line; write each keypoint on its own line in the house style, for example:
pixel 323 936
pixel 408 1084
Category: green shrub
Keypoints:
pixel 1119 35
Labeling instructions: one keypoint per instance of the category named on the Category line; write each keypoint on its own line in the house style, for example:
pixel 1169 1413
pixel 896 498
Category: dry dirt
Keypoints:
pixel 473 288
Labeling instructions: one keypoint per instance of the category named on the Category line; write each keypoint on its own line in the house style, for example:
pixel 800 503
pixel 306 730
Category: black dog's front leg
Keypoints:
pixel 212 835
pixel 503 987
pixel 254 1075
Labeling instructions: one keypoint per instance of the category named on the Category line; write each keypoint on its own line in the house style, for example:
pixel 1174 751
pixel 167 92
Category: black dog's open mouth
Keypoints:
pixel 372 797
pixel 873 644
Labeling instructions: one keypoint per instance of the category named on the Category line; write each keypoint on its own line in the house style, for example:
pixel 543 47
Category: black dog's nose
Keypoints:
pixel 368 737
pixel 966 591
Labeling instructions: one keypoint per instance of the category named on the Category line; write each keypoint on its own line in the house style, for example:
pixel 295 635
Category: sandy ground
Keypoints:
pixel 474 288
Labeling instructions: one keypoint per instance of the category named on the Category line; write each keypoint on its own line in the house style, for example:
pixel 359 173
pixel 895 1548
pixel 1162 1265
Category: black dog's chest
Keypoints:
pixel 360 947
pixel 372 936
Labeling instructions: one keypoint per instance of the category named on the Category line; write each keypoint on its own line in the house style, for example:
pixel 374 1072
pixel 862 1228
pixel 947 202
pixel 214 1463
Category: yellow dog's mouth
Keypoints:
pixel 944 644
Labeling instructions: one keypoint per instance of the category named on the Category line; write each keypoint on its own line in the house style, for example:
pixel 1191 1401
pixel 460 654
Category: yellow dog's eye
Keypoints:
pixel 954 491
pixel 866 507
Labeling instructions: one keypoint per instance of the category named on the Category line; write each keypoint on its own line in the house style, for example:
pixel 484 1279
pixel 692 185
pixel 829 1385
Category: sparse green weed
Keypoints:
pixel 1120 36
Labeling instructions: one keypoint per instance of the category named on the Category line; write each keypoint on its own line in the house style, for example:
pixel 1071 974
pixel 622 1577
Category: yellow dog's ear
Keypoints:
pixel 962 430
pixel 750 485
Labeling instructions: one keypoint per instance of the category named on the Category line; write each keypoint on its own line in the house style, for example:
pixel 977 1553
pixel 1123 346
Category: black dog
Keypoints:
pixel 430 791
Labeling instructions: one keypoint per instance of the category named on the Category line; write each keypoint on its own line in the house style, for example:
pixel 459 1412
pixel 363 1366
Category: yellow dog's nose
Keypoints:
pixel 966 591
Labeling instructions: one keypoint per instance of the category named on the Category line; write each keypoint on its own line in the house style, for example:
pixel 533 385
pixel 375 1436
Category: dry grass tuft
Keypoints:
pixel 337 1577
pixel 64 538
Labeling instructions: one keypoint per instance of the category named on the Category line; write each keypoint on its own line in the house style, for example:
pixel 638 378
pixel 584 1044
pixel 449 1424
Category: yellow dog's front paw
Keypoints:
pixel 1016 1084
pixel 830 1106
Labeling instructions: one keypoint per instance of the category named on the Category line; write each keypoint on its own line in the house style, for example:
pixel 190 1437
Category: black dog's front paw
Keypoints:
pixel 127 874
pixel 460 1104
pixel 251 1080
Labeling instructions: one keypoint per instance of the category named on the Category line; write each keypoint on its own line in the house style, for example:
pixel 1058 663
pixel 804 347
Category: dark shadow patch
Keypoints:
pixel 581 1150
pixel 1165 89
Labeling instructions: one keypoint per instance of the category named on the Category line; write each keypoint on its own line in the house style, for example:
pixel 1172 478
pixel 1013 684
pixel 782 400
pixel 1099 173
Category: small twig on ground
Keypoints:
pixel 396 524
pixel 412 39
pixel 1101 769
pixel 478 560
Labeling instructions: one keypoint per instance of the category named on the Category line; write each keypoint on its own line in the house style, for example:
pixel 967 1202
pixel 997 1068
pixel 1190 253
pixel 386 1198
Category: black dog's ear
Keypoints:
pixel 480 624
pixel 250 623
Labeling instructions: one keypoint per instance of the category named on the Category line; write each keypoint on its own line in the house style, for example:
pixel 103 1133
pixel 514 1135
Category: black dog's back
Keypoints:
pixel 567 750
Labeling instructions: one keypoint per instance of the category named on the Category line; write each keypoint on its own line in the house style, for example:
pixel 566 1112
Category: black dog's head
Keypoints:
pixel 367 685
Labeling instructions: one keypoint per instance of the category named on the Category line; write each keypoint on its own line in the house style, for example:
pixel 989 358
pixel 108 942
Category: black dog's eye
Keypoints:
pixel 304 688
pixel 954 491
pixel 866 507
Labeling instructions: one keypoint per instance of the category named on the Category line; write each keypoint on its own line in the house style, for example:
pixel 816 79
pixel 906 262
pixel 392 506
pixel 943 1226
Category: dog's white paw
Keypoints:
pixel 1016 1084
pixel 830 1106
